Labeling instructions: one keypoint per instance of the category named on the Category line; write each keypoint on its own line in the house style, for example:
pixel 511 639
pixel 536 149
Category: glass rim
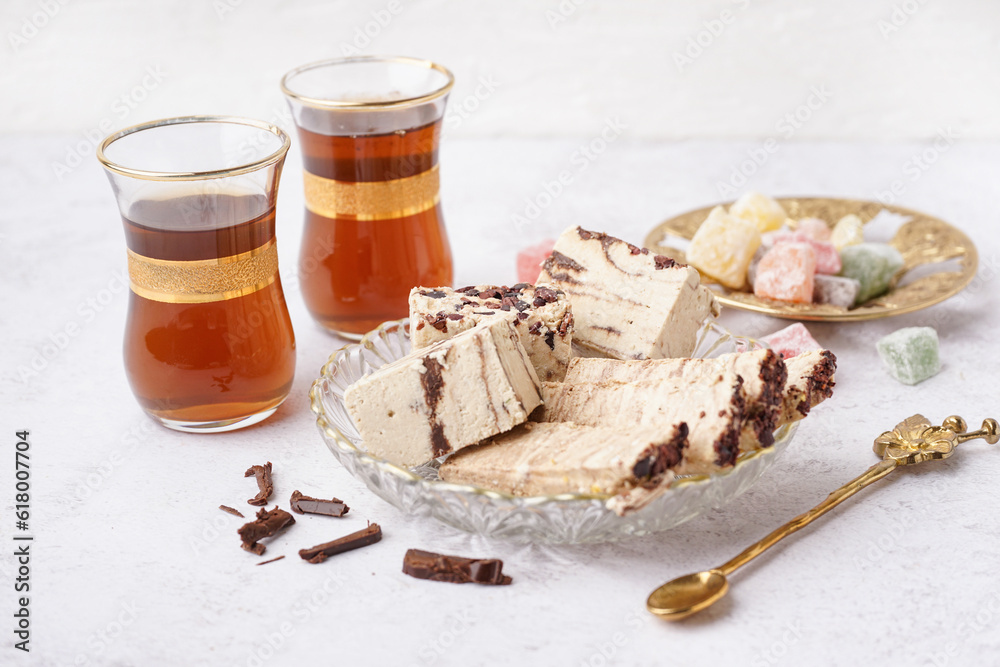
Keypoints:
pixel 320 103
pixel 150 175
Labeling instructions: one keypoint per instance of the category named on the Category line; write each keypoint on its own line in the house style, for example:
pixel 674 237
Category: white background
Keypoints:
pixel 894 69
pixel 134 565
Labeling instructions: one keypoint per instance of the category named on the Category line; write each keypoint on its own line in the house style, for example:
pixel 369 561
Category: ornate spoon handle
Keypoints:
pixel 873 474
pixel 913 441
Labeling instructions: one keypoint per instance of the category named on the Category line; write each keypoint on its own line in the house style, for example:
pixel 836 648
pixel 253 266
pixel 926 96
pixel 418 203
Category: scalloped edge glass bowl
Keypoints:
pixel 564 518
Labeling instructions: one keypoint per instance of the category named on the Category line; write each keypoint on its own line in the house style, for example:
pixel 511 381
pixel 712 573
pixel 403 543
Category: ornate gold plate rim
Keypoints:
pixel 922 240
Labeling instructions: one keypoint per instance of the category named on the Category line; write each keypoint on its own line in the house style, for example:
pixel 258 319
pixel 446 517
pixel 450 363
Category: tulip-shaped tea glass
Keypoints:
pixel 208 342
pixel 369 129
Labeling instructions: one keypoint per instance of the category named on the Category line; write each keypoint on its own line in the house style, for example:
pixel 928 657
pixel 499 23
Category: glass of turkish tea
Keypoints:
pixel 369 128
pixel 209 345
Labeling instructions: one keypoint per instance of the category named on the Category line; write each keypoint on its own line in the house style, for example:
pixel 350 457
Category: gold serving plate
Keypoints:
pixel 922 241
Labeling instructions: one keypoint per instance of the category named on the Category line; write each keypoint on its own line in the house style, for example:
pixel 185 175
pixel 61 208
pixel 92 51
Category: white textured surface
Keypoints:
pixel 739 69
pixel 124 513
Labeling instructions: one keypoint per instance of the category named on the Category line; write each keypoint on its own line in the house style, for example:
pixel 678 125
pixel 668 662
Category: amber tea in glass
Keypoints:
pixel 208 341
pixel 369 129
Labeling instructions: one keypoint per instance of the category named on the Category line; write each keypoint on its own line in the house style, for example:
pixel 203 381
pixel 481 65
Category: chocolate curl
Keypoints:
pixel 362 538
pixel 267 524
pixel 264 483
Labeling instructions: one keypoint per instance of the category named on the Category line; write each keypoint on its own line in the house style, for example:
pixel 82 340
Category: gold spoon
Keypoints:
pixel 913 441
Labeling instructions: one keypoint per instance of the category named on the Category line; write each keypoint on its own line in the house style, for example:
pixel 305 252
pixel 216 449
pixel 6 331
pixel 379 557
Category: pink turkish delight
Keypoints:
pixel 827 257
pixel 786 273
pixel 529 260
pixel 792 341
pixel 814 228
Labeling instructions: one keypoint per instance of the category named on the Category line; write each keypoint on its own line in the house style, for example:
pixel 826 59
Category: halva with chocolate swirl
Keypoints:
pixel 633 465
pixel 713 412
pixel 627 303
pixel 810 382
pixel 442 398
pixel 540 313
pixel 762 371
pixel 730 403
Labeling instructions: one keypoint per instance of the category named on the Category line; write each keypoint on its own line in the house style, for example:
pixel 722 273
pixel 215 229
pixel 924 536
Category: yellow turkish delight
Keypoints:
pixel 723 247
pixel 847 231
pixel 759 209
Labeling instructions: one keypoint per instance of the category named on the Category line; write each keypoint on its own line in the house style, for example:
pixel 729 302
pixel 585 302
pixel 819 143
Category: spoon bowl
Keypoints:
pixel 688 595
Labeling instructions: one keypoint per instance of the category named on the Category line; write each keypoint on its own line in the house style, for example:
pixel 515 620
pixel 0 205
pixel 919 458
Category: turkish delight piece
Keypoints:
pixel 529 260
pixel 541 315
pixel 444 397
pixel 910 354
pixel 792 341
pixel 627 302
pixel 814 228
pixel 827 257
pixel 873 265
pixel 723 246
pixel 755 262
pixel 766 213
pixel 849 230
pixel 835 290
pixel 786 273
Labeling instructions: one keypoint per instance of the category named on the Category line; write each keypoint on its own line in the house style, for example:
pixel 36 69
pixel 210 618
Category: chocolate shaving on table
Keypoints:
pixel 232 510
pixel 265 562
pixel 264 483
pixel 308 505
pixel 267 524
pixel 454 569
pixel 362 538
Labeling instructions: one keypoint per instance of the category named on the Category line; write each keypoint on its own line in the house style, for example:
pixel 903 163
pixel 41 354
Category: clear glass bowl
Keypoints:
pixel 564 518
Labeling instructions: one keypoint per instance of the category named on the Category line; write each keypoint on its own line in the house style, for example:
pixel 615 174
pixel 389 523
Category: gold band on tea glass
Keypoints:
pixel 372 200
pixel 203 280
